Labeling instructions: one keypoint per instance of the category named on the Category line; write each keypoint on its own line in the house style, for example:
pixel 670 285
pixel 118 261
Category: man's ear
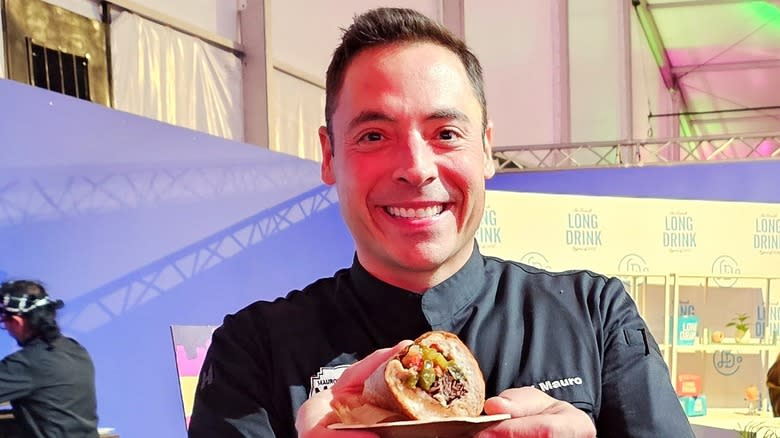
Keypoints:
pixel 327 174
pixel 15 319
pixel 489 165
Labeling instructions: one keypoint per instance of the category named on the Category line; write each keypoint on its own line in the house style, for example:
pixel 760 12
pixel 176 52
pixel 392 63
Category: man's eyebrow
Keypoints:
pixel 440 114
pixel 368 116
pixel 449 114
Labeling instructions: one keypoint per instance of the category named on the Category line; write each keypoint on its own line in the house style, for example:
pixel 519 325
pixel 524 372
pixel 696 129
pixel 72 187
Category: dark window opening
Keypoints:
pixel 58 71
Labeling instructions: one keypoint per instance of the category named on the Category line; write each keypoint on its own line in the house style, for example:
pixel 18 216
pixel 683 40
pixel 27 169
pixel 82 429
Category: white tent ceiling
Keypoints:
pixel 720 60
pixel 723 56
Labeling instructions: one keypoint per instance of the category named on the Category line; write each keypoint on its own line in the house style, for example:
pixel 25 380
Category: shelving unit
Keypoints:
pixel 734 348
pixel 658 299
pixel 762 346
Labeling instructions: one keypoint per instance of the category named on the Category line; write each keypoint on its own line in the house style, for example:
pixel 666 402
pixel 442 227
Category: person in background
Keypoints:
pixel 50 380
pixel 407 144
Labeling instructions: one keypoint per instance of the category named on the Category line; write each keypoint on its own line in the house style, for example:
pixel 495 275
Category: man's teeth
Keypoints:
pixel 415 212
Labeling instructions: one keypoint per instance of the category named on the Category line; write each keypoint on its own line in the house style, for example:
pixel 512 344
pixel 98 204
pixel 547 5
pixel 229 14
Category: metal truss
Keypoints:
pixel 108 302
pixel 637 152
pixel 42 195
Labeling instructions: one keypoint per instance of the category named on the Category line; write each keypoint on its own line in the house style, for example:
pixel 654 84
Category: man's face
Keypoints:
pixel 409 162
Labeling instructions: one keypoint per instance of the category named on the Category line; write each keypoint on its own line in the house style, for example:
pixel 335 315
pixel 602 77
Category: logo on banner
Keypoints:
pixel 725 362
pixel 766 238
pixel 536 260
pixel 679 232
pixel 582 231
pixel 761 320
pixel 686 308
pixel 725 265
pixel 632 264
pixel 489 232
pixel 325 378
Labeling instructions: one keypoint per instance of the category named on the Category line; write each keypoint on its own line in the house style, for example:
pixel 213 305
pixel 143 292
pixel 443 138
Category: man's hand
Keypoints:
pixel 316 413
pixel 536 414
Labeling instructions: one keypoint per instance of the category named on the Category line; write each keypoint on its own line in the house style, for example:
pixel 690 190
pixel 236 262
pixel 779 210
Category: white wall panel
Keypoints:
pixel 595 57
pixel 297 111
pixel 215 16
pixel 303 36
pixel 304 32
pixel 513 40
pixel 219 17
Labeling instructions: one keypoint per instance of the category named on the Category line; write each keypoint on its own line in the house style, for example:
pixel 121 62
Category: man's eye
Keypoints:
pixel 447 134
pixel 371 136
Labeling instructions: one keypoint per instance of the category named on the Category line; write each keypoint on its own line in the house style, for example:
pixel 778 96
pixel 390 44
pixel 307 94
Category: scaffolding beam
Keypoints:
pixel 625 153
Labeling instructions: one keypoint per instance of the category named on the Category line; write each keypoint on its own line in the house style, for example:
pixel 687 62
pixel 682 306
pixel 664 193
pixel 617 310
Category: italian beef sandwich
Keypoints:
pixel 436 376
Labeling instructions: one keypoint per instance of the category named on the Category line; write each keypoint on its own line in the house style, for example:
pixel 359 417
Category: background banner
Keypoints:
pixel 632 235
pixel 706 244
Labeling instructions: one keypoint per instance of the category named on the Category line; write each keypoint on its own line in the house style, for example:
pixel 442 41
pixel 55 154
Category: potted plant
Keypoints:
pixel 740 324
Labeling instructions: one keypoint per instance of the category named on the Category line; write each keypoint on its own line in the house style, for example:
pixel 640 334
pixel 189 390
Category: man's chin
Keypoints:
pixel 425 259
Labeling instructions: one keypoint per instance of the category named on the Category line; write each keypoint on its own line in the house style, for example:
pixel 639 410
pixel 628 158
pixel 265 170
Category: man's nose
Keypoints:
pixel 416 162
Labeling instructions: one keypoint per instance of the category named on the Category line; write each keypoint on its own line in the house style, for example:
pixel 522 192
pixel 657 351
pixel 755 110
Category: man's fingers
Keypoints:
pixel 519 402
pixel 538 426
pixel 315 415
pixel 354 376
pixel 314 411
pixel 536 414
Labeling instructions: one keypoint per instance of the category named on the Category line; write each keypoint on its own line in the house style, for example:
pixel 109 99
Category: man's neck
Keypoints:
pixel 26 339
pixel 418 281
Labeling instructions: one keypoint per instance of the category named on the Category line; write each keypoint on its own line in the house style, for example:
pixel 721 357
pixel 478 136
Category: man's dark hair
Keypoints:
pixel 30 300
pixel 385 26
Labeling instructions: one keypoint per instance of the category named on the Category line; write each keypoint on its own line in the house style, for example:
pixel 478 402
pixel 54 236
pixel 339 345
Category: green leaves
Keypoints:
pixel 740 322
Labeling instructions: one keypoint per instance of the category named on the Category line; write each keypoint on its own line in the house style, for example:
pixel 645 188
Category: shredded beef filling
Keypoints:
pixel 448 389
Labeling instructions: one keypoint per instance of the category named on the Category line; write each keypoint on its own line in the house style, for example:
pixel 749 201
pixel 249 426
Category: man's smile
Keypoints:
pixel 415 213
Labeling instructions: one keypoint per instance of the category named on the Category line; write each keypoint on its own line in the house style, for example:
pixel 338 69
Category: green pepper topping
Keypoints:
pixel 455 372
pixel 411 381
pixel 427 376
pixel 436 357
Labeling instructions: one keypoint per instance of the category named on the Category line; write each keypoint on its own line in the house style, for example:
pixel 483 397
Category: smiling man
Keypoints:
pixel 407 143
pixel 409 155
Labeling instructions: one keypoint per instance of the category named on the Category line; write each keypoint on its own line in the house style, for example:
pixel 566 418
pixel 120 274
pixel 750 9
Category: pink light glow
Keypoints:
pixel 717 54
pixel 767 147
